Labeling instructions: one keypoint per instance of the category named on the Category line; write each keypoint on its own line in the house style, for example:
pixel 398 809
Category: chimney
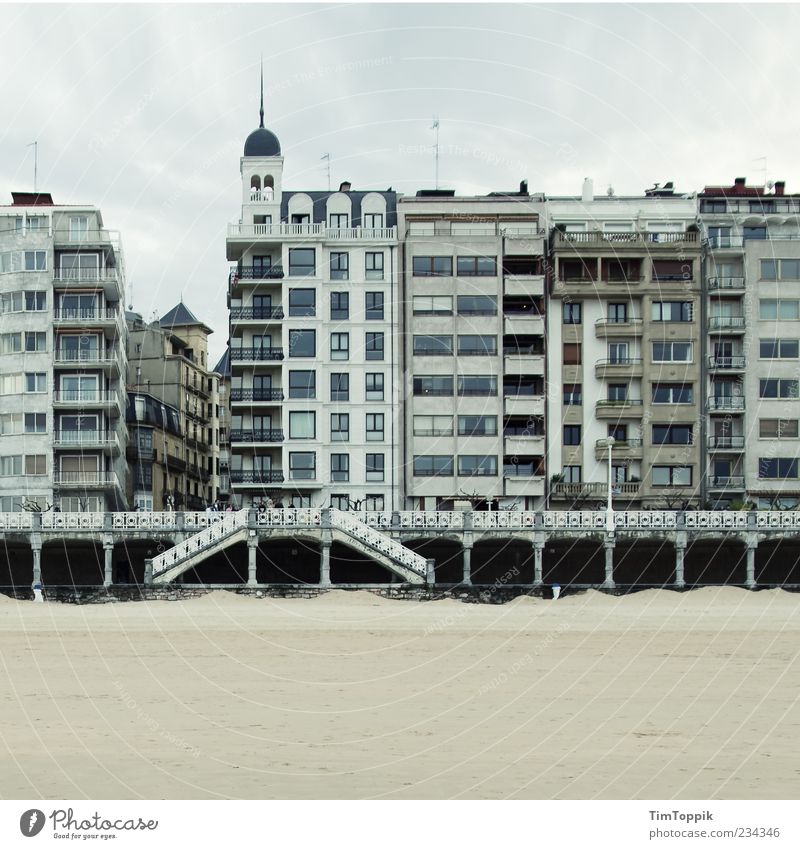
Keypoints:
pixel 344 187
pixel 523 187
pixel 780 185
pixel 738 184
pixel 587 193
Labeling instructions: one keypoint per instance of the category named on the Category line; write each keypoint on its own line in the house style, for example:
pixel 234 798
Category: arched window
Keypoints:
pixel 255 188
pixel 269 188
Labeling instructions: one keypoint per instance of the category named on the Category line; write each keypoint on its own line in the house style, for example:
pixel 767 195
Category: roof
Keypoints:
pixel 31 199
pixel 262 142
pixel 320 199
pixel 181 316
pixel 223 367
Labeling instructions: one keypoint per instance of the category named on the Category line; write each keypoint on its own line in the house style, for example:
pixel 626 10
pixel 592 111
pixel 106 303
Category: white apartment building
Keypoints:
pixel 624 347
pixel 62 357
pixel 473 350
pixel 752 277
pixel 314 347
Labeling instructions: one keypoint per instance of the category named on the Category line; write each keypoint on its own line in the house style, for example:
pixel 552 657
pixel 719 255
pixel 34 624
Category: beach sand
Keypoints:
pixel 652 695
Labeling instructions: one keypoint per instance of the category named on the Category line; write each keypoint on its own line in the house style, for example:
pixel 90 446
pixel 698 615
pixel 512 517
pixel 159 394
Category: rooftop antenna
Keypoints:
pixel 436 147
pixel 261 111
pixel 327 157
pixel 35 146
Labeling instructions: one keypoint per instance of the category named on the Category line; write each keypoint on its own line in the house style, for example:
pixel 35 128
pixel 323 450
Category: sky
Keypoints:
pixel 143 110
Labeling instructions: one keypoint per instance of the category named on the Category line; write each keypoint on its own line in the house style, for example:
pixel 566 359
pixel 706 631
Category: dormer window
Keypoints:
pixel 338 221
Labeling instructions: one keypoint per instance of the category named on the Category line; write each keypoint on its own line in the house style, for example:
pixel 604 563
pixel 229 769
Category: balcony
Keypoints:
pixel 639 239
pixel 108 319
pixel 722 243
pixel 521 404
pixel 86 439
pixel 725 404
pixel 622 449
pixel 515 444
pixel 84 480
pixel 173 463
pixel 594 491
pixel 619 367
pixel 259 435
pixel 612 328
pixel 732 363
pixel 256 476
pixel 239 355
pixel 86 398
pixel 287 232
pixel 726 443
pixel 107 279
pixel 617 409
pixel 726 482
pixel 255 272
pixel 727 323
pixel 523 324
pixel 523 284
pixel 726 284
pixel 360 234
pixel 90 358
pixel 242 314
pixel 249 395
pixel 135 453
pixel 522 362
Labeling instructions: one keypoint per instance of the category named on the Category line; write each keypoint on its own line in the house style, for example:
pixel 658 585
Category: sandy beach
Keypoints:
pixel 653 695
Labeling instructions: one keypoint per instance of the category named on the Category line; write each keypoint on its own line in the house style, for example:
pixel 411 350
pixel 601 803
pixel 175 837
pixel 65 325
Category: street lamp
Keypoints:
pixel 609 506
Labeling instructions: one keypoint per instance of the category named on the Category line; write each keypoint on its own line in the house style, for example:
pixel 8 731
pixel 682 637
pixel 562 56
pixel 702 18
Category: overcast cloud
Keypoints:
pixel 143 110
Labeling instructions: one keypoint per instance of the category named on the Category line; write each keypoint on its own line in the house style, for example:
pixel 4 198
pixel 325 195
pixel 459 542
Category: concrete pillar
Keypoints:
pixel 680 551
pixel 750 574
pixel 252 550
pixel 325 560
pixel 538 558
pixel 108 565
pixel 430 571
pixel 148 572
pixel 36 547
pixel 609 544
pixel 466 578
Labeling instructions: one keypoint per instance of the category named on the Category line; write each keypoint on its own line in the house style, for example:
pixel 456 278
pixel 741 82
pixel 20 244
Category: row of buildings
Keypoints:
pixel 413 352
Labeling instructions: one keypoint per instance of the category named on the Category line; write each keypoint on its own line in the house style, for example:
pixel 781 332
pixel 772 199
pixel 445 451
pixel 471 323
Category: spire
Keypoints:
pixel 261 112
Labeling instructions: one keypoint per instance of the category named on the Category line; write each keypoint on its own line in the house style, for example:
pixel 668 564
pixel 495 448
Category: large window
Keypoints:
pixel 340 266
pixel 375 470
pixel 777 468
pixel 340 346
pixel 671 311
pixel 372 220
pixel 672 352
pixel 31 301
pixel 373 306
pixel 302 343
pixel 302 384
pixel 35 381
pixel 373 269
pixel 432 305
pixel 571 474
pixel 431 346
pixel 778 349
pixel 374 427
pixel 302 465
pixel 778 428
pixel 433 425
pixel 672 393
pixel 477 346
pixel 340 427
pixel 433 465
pixel 302 302
pixel 672 434
pixel 477 385
pixel 374 386
pixel 778 388
pixel 302 425
pixel 483 465
pixel 571 312
pixel 434 385
pixel 780 269
pixel 778 309
pixel 477 425
pixel 340 386
pixel 373 346
pixel 477 305
pixel 672 476
pixel 340 305
pixel 302 262
pixel 340 467
pixel 572 434
pixel 476 266
pixel 432 266
pixel 572 395
pixel 339 220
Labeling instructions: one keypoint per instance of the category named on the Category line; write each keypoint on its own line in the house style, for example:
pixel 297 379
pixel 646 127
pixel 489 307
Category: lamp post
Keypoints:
pixel 609 506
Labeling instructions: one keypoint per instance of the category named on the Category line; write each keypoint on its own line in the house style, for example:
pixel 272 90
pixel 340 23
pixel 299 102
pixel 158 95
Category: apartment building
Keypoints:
pixel 222 370
pixel 751 263
pixel 168 359
pixel 625 349
pixel 473 305
pixel 62 357
pixel 314 351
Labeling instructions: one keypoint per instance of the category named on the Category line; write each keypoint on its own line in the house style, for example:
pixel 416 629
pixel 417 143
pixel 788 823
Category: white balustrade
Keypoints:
pixel 500 519
pixel 711 519
pixel 20 521
pixel 53 521
pixel 574 519
pixel 143 521
pixel 788 519
pixel 348 523
pixel 644 519
pixel 289 517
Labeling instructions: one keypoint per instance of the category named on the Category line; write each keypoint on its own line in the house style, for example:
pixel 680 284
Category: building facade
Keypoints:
pixel 62 358
pixel 473 332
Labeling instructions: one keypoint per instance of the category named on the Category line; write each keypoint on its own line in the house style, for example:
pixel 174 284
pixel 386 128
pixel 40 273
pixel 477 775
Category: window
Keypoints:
pixel 302 425
pixel 572 394
pixel 374 386
pixel 477 305
pixel 671 269
pixel 477 425
pixel 672 393
pixel 789 269
pixel 340 467
pixel 340 305
pixel 572 434
pixel 35 464
pixel 35 260
pixel 785 310
pixel 769 269
pixel 434 385
pixel 778 388
pixel 373 267
pixel 672 352
pixel 672 476
pixel 302 384
pixel 374 430
pixel 301 218
pixel 373 306
pixel 374 467
pixel 432 266
pixel 340 502
pixel 754 233
pixel 339 220
pixel 78 228
pixel 431 346
pixel 373 346
pixel 302 262
pixel 340 266
pixel 672 435
pixel 302 343
pixel 374 502
pixel 476 266
pixel 618 352
pixel 432 305
pixel 35 381
pixel 340 427
pixel 617 313
pixel 340 386
pixel 572 354
pixel 433 425
pixel 373 220
pixel 671 311
pixel 433 465
pixel 571 474
pixel 23 301
pixel 778 349
pixel 302 465
pixel 477 346
pixel 618 392
pixel 340 346
pixel 483 465
pixel 10 343
pixel 778 428
pixel 11 465
pixel 571 312
pixel 302 302
pixel 477 385
pixel 10 423
pixel 777 467
pixel 35 422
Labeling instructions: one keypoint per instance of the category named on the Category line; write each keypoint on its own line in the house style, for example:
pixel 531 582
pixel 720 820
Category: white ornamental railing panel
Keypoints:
pixel 431 518
pixel 21 521
pixel 501 519
pixel 289 517
pixel 572 519
pixel 72 521
pixel 348 523
pixel 143 521
pixel 778 519
pixel 711 519
pixel 196 519
pixel 644 519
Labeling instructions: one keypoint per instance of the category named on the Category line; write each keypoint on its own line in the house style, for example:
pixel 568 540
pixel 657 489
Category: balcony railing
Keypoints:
pixel 726 282
pixel 618 322
pixel 620 444
pixel 85 315
pixel 726 442
pixel 258 435
pixel 247 354
pixel 611 403
pixel 257 313
pixel 727 482
pixel 284 231
pixel 85 275
pixel 87 355
pixel 726 322
pixel 71 438
pixel 594 490
pixel 726 402
pixel 176 464
pixel 379 234
pixel 86 396
pixel 84 479
pixel 721 242
pixel 737 362
pixel 634 238
pixel 256 395
pixel 621 362
pixel 256 476
pixel 256 272
pixel 522 470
